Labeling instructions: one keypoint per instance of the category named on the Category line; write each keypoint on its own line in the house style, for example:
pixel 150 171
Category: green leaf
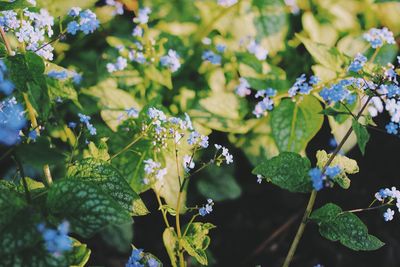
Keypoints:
pixel 112 183
pixel 171 245
pixel 100 152
pixel 20 231
pixel 3 50
pixel 162 77
pixel 362 135
pixel 196 241
pixel 112 102
pixel 85 206
pixel 39 153
pixel 38 256
pixel 250 60
pixel 345 227
pixel 219 184
pixel 294 124
pixel 118 237
pixel 222 111
pixel 327 56
pixel 79 255
pixel 17 4
pixel 26 71
pixel 272 24
pixel 60 8
pixel 288 170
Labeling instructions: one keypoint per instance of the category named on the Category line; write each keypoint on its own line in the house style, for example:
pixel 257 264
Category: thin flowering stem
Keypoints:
pixel 60 36
pixel 6 42
pixel 313 195
pixel 162 209
pixel 134 141
pixel 372 59
pixel 178 230
pixel 366 209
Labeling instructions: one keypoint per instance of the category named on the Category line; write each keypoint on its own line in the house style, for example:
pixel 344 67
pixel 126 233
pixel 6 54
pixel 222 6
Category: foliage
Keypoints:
pixel 104 102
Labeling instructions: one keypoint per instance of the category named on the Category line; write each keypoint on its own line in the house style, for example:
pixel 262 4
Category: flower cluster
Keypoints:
pixel 196 139
pixel 225 153
pixel 153 171
pixel 266 104
pixel 164 128
pixel 57 240
pixel 84 21
pixel 301 86
pixel 139 259
pixel 171 60
pixel 120 64
pixel 389 195
pixel 6 86
pixel 207 209
pixel 32 29
pixel 12 120
pixel 64 75
pixel 243 89
pixel 142 16
pixel 320 179
pixel 378 37
pixel 118 7
pixel 212 57
pixel 339 92
pixel 257 50
pixel 358 62
pixel 86 120
pixel 227 3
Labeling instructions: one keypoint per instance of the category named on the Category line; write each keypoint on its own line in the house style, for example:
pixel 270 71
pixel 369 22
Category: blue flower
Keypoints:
pixel 211 57
pixel 388 215
pixel 6 86
pixel 142 16
pixel 207 209
pixel 171 60
pixel 57 240
pixel 59 75
pixel 12 120
pixel 378 37
pixel 337 92
pixel 134 259
pixel 153 262
pixel 301 86
pixel 73 27
pixel 392 128
pixel 86 22
pixel 32 135
pixel 316 178
pixel 86 120
pixel 358 62
pixel 221 48
pixel 333 171
pixel 72 125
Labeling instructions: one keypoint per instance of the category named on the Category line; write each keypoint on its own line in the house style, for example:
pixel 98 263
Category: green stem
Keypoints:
pixel 178 231
pixel 47 175
pixel 313 196
pixel 24 182
pixel 162 210
pixel 7 44
pixel 127 146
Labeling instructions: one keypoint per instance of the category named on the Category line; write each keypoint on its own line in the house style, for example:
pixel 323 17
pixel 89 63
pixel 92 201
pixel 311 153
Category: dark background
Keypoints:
pixel 258 227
